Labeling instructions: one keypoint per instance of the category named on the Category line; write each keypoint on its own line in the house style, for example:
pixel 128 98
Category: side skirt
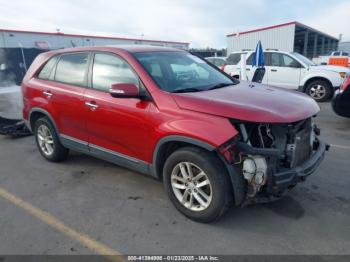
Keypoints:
pixel 106 154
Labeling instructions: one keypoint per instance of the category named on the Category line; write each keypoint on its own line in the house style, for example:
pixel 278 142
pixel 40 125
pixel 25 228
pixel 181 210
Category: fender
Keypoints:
pixel 236 179
pixel 329 76
pixel 46 113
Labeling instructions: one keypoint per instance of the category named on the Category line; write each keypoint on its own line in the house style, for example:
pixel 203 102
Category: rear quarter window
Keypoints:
pixel 47 69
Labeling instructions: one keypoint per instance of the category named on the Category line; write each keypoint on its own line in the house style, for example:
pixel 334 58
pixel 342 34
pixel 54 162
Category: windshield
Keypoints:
pixel 182 72
pixel 304 59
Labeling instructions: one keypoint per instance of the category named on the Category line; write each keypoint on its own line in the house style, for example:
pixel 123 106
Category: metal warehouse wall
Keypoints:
pixel 281 38
pixel 10 39
pixel 344 46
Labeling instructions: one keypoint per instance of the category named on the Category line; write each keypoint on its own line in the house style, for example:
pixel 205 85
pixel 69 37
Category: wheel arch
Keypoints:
pixel 36 113
pixel 316 78
pixel 169 144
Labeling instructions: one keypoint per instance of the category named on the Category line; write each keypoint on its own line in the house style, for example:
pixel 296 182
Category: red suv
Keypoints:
pixel 212 140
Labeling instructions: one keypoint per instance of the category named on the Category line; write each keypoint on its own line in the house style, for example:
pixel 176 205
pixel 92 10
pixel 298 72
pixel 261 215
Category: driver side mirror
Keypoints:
pixel 124 90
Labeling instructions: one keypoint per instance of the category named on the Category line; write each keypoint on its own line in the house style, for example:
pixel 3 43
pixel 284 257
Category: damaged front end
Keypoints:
pixel 273 158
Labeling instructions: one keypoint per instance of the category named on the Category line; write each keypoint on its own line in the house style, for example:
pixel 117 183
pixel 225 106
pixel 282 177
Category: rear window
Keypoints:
pixel 47 69
pixel 71 69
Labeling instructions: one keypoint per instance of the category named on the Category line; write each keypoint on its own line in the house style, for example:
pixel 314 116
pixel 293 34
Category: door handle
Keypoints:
pixel 91 105
pixel 273 70
pixel 48 94
pixel 247 69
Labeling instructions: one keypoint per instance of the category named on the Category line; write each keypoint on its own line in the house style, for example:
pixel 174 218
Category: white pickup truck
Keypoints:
pixel 292 71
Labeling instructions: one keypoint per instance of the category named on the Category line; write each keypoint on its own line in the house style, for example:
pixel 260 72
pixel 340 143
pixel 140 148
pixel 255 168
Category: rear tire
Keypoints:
pixel 48 142
pixel 319 90
pixel 204 198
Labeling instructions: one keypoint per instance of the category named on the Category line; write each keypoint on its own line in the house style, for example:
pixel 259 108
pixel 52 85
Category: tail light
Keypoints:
pixel 223 67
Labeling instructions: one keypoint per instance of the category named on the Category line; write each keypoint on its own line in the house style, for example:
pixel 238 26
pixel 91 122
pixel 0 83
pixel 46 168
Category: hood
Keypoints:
pixel 334 68
pixel 258 103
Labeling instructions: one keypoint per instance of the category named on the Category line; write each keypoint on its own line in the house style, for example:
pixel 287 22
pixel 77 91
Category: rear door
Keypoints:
pixel 116 126
pixel 63 91
pixel 282 70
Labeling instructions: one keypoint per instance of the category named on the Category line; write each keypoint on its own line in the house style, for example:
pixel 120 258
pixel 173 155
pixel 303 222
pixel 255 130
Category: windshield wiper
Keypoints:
pixel 185 90
pixel 220 85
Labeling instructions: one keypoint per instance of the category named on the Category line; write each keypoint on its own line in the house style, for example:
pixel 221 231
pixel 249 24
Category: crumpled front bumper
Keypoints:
pixel 279 181
pixel 283 180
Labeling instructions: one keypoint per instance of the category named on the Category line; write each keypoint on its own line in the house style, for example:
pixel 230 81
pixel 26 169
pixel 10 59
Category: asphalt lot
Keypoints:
pixel 131 214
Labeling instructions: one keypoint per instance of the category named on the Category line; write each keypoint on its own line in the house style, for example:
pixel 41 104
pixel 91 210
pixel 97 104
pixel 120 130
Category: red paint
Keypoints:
pixel 134 127
pixel 255 104
pixel 346 83
pixel 124 90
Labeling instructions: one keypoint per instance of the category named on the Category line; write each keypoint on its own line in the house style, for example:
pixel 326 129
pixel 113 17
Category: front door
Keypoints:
pixel 282 70
pixel 117 127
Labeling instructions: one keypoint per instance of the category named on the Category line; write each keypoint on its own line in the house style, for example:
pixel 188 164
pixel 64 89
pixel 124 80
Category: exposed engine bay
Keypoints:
pixel 267 155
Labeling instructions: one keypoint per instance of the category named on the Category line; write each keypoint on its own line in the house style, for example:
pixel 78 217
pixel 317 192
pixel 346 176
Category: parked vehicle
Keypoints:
pixel 11 122
pixel 218 61
pixel 293 71
pixel 324 60
pixel 341 100
pixel 212 140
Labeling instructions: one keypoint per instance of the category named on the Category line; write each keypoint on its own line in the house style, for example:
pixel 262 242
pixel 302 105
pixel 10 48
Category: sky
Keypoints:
pixel 202 23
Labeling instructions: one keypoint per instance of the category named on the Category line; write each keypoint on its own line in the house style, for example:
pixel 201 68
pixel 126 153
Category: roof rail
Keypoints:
pixel 247 49
pixel 272 49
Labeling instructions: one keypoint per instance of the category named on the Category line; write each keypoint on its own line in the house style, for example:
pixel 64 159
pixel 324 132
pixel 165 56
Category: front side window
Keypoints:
pixel 182 71
pixel 47 69
pixel 288 61
pixel 110 69
pixel 71 69
pixel 304 59
pixel 276 59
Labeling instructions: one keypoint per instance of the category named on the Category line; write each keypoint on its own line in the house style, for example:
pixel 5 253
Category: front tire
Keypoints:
pixel 198 184
pixel 319 90
pixel 48 142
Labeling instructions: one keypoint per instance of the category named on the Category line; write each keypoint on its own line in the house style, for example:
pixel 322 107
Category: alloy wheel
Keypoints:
pixel 191 186
pixel 45 140
pixel 317 91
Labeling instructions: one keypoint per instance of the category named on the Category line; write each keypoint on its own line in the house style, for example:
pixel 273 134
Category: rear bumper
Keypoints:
pixel 283 180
